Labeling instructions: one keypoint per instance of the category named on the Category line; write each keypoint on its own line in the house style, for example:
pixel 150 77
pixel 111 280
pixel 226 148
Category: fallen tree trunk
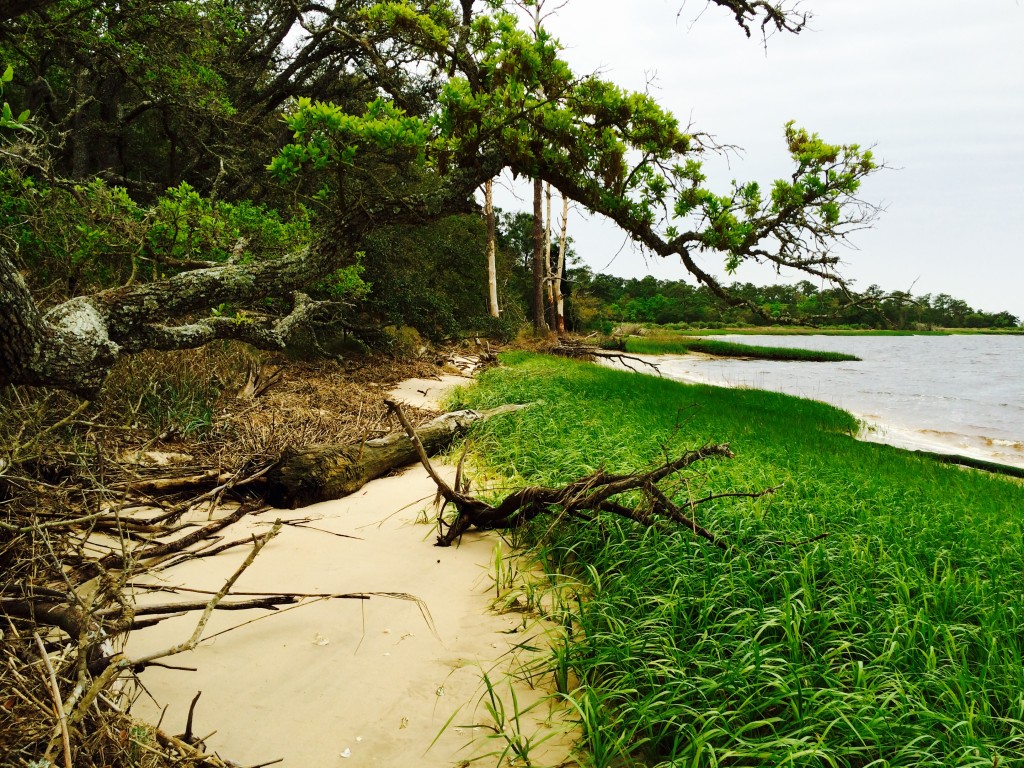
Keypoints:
pixel 320 473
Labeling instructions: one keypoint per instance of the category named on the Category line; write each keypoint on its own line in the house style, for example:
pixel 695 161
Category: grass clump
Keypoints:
pixel 895 640
pixel 731 349
pixel 663 344
pixel 797 330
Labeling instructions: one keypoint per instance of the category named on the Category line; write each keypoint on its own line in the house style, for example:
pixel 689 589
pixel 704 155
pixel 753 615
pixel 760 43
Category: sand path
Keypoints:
pixel 348 682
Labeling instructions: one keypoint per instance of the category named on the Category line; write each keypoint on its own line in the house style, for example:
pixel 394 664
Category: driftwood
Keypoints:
pixel 580 351
pixel 972 463
pixel 580 498
pixel 172 485
pixel 118 560
pixel 319 473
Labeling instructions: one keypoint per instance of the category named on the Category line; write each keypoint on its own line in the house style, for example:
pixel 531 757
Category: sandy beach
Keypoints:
pixel 350 681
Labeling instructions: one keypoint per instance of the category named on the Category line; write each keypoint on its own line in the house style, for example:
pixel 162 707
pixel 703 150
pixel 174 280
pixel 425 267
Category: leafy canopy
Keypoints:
pixel 511 101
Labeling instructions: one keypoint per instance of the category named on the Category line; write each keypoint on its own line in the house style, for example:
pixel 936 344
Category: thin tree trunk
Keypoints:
pixel 539 326
pixel 549 289
pixel 492 269
pixel 539 273
pixel 560 271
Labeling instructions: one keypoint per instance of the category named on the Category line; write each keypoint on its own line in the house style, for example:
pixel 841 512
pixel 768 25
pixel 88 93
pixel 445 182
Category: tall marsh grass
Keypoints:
pixel 897 639
pixel 679 344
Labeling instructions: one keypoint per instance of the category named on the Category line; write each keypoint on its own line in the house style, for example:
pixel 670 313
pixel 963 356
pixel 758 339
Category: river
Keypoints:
pixel 948 394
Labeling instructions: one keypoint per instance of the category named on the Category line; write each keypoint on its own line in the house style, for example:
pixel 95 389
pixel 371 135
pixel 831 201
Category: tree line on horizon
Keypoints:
pixel 599 301
pixel 602 297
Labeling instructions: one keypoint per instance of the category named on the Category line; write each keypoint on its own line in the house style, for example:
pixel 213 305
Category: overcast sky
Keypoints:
pixel 937 86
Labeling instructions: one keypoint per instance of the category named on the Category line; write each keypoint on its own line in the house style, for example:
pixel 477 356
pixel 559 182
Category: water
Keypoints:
pixel 949 394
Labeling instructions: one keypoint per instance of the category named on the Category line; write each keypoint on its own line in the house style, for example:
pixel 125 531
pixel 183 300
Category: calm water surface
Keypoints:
pixel 955 394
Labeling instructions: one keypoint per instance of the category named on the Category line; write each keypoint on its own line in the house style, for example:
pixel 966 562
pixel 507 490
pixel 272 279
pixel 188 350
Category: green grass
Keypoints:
pixel 662 344
pixel 797 330
pixel 896 641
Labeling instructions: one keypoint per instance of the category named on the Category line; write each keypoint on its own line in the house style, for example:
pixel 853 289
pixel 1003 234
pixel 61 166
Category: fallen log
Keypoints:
pixel 323 472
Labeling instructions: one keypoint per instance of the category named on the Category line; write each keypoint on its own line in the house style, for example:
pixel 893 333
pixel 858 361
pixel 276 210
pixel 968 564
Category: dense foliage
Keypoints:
pixel 155 149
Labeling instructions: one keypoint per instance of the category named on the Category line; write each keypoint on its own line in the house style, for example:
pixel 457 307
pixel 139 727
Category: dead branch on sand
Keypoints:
pixel 578 499
pixel 577 350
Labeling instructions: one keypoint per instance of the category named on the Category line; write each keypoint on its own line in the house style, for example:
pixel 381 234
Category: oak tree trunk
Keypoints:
pixel 74 345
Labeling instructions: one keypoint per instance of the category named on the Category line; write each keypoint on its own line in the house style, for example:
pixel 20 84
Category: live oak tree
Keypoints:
pixel 148 93
pixel 504 99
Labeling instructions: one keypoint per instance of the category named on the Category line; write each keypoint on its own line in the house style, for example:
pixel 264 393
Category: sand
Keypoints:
pixel 427 393
pixel 350 682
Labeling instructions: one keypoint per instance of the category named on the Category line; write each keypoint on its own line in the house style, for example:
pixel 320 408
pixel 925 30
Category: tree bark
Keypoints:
pixel 560 271
pixel 320 473
pixel 20 322
pixel 549 273
pixel 492 269
pixel 539 326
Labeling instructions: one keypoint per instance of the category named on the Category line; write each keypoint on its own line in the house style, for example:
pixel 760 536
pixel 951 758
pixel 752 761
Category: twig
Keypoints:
pixel 679 517
pixel 62 523
pixel 115 560
pixel 304 525
pixel 187 751
pixel 18 449
pixel 736 495
pixel 58 703
pixel 193 641
pixel 442 486
pixel 238 605
pixel 114 669
pixel 331 595
pixel 206 552
pixel 188 738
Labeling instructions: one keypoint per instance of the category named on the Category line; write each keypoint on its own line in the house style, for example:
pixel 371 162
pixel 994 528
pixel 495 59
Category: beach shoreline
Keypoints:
pixel 874 429
pixel 388 680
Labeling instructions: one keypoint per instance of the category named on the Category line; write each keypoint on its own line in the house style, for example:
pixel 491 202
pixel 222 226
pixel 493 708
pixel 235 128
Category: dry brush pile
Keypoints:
pixel 94 494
